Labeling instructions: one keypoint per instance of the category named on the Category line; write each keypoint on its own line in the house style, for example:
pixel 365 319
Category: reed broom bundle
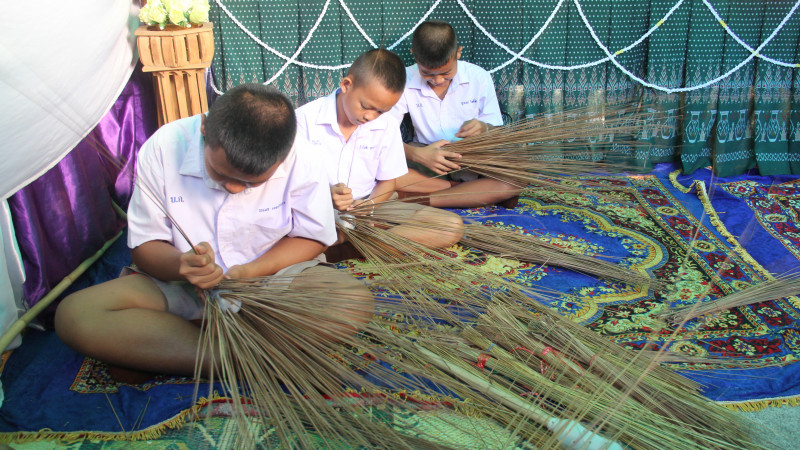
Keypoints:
pixel 551 373
pixel 365 226
pixel 783 286
pixel 545 150
pixel 275 359
pixel 529 248
pixel 660 398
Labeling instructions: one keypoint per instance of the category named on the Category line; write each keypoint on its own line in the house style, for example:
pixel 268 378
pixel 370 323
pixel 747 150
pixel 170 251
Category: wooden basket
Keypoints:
pixel 178 58
pixel 168 49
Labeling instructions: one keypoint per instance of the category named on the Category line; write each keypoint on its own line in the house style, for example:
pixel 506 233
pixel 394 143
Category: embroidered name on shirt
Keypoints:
pixel 178 199
pixel 272 208
pixel 316 142
pixel 474 100
pixel 366 147
pixel 419 105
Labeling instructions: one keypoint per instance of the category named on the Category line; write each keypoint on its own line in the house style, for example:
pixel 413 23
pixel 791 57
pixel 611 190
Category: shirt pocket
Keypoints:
pixel 263 233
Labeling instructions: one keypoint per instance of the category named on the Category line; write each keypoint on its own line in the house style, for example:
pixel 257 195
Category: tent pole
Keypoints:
pixel 17 327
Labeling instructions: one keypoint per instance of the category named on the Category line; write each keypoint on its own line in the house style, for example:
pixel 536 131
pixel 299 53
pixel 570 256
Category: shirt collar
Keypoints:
pixel 327 113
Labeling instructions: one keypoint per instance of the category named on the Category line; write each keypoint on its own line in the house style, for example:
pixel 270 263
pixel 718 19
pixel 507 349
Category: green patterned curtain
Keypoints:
pixel 715 100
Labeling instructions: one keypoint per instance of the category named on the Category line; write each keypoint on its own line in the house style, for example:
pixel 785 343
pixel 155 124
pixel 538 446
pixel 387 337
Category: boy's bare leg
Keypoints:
pixel 415 182
pixel 351 309
pixel 475 193
pixel 431 227
pixel 124 322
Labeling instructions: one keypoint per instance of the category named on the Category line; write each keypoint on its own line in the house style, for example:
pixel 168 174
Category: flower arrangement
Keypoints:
pixel 181 13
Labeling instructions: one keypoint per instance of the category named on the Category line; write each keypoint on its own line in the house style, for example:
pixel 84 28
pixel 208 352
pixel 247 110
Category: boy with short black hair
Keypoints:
pixel 447 99
pixel 363 147
pixel 237 179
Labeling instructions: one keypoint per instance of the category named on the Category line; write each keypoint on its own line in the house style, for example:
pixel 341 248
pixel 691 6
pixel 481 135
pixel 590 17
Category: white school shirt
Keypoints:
pixel 373 153
pixel 471 95
pixel 294 202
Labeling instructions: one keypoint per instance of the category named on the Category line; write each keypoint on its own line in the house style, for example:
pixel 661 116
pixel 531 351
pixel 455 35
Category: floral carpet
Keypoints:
pixel 710 237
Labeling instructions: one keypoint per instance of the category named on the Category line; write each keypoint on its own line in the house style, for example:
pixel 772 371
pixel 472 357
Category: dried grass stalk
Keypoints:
pixel 505 336
pixel 525 247
pixel 545 150
pixel 786 285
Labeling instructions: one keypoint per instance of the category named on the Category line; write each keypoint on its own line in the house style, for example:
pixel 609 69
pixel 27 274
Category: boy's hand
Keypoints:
pixel 472 127
pixel 199 268
pixel 433 157
pixel 342 196
pixel 237 271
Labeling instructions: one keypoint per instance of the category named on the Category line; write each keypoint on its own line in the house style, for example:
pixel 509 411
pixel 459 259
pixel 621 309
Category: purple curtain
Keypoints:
pixel 66 215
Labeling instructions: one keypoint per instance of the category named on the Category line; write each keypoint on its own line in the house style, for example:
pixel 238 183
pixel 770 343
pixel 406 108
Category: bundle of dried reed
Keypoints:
pixel 783 286
pixel 525 247
pixel 590 383
pixel 539 373
pixel 285 362
pixel 365 228
pixel 542 151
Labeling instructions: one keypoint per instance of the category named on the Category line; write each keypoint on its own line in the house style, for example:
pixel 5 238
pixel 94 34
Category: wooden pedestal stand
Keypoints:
pixel 178 58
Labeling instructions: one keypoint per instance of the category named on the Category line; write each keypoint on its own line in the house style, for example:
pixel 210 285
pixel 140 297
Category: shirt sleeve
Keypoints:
pixel 393 156
pixel 146 219
pixel 312 207
pixel 302 127
pixel 490 107
pixel 399 109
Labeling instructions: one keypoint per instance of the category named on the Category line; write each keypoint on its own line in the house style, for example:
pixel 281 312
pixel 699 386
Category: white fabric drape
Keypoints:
pixel 62 66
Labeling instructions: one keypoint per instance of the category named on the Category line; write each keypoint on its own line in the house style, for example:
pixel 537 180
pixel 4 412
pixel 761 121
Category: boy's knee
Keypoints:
pixel 68 319
pixel 454 228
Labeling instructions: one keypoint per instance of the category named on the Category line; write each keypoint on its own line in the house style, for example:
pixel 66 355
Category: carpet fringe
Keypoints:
pixel 150 433
pixel 760 405
pixel 699 187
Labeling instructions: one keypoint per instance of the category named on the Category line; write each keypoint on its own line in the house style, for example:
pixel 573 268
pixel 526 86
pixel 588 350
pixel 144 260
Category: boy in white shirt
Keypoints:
pixel 235 179
pixel 447 99
pixel 363 147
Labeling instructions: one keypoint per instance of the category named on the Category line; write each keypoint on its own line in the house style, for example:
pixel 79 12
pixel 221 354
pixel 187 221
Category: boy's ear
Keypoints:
pixel 458 52
pixel 346 84
pixel 203 125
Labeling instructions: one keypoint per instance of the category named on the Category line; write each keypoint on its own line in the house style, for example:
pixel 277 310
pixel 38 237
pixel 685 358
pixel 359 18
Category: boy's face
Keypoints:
pixel 365 102
pixel 438 77
pixel 232 179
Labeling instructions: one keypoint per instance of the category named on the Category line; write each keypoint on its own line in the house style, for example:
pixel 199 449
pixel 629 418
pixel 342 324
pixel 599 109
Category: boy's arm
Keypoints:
pixel 382 191
pixel 165 262
pixel 285 252
pixel 432 156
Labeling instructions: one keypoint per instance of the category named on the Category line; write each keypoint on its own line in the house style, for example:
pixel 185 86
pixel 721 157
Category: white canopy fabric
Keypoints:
pixel 62 66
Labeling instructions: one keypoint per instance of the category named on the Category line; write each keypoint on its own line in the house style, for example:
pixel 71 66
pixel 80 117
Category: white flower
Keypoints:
pixel 199 12
pixel 157 13
pixel 177 16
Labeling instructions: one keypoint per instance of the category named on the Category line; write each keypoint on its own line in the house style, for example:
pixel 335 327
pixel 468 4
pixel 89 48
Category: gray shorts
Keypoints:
pixel 460 176
pixel 180 297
